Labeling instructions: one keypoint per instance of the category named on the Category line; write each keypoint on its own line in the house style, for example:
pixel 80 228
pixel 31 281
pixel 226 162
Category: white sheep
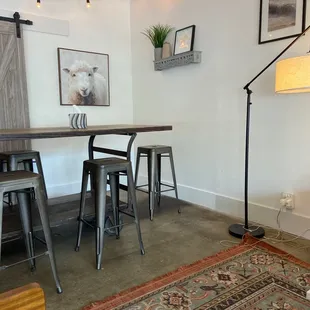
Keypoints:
pixel 86 86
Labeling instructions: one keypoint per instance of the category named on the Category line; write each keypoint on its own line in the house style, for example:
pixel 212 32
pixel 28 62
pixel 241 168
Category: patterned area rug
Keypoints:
pixel 252 276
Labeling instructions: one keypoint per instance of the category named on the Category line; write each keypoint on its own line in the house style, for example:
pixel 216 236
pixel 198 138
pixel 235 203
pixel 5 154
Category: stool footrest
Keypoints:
pixel 126 213
pixel 12 239
pixel 139 186
pixel 115 226
pixel 166 190
pixel 163 184
pixel 23 261
pixel 40 240
pixel 168 185
pixel 162 155
pixel 87 223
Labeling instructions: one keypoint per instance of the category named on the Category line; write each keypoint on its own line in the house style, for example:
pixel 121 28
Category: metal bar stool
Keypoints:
pixel 99 170
pixel 120 153
pixel 20 181
pixel 154 154
pixel 26 157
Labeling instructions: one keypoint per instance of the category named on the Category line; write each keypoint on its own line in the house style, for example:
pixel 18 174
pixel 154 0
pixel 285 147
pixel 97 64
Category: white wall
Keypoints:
pixel 104 28
pixel 206 105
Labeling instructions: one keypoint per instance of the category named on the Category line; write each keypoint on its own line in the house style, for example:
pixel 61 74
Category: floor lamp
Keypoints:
pixel 292 76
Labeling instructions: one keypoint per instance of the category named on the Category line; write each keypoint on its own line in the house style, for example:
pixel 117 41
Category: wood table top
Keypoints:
pixel 62 132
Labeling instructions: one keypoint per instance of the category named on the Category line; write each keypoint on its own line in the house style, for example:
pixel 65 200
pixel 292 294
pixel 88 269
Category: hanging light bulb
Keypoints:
pixel 38 3
pixel 88 3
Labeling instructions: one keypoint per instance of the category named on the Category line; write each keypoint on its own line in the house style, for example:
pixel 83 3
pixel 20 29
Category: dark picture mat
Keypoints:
pixel 303 26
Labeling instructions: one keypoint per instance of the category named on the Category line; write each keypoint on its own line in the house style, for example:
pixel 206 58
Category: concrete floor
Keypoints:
pixel 170 241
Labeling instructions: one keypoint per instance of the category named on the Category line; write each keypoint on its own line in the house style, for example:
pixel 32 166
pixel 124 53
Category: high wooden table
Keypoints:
pixel 62 132
pixel 91 132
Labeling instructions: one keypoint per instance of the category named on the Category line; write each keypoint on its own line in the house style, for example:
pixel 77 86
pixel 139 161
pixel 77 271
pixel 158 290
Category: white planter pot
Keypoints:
pixel 158 53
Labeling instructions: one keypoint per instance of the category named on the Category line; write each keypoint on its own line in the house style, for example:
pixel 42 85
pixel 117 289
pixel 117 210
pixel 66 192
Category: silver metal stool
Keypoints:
pixel 26 157
pixel 99 170
pixel 19 181
pixel 154 154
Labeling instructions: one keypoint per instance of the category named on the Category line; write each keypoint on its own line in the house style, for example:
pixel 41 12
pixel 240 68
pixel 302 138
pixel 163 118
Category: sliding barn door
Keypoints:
pixel 14 111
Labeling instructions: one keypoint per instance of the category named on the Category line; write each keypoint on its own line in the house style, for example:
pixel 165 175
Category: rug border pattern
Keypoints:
pixel 132 294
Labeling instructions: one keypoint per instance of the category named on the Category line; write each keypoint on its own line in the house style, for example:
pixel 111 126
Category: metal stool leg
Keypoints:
pixel 1 216
pixel 28 165
pixel 174 177
pixel 42 206
pixel 82 208
pixel 136 176
pixel 152 181
pixel 114 184
pixel 40 171
pixel 158 181
pixel 100 204
pixel 137 167
pixel 132 190
pixel 24 202
pixel 12 166
pixel 2 163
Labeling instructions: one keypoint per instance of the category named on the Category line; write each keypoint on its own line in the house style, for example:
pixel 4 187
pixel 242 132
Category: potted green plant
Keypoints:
pixel 157 34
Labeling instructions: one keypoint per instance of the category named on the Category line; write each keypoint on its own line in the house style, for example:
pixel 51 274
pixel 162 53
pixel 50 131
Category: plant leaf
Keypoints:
pixel 157 34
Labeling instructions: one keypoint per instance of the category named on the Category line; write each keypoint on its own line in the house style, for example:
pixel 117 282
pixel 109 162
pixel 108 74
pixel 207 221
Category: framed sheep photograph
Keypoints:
pixel 83 78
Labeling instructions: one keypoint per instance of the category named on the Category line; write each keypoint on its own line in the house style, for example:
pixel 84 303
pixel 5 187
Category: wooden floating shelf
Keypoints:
pixel 178 60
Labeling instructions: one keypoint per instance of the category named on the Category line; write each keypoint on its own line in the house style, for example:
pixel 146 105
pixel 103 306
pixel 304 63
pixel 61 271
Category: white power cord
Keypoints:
pixel 275 238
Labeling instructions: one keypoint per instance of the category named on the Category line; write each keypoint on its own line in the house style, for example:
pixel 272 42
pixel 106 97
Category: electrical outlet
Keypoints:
pixel 287 201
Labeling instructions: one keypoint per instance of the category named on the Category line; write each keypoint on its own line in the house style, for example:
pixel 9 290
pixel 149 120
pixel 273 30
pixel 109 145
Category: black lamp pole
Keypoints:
pixel 239 230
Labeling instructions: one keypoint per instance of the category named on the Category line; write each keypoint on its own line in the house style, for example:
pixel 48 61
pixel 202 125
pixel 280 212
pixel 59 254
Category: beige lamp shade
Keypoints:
pixel 293 75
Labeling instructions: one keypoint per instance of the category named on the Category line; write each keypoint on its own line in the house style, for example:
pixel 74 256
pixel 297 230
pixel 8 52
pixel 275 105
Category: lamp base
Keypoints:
pixel 238 231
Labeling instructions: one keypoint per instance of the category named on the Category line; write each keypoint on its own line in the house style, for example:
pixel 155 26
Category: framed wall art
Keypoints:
pixel 281 19
pixel 83 78
pixel 184 40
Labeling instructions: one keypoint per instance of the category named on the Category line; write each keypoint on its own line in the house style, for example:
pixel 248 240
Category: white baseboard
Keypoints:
pixel 63 189
pixel 55 191
pixel 264 215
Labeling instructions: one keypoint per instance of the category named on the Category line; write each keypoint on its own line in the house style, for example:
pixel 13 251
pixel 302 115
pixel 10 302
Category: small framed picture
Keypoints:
pixel 281 19
pixel 184 40
pixel 83 78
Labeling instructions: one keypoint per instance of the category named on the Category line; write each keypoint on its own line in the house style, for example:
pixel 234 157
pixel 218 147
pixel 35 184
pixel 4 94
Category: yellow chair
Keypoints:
pixel 28 297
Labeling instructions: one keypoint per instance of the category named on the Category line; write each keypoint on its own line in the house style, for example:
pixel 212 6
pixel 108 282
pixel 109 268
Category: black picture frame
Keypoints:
pixel 190 46
pixel 281 34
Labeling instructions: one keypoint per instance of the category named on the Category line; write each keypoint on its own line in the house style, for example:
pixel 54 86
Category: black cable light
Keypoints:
pixel 38 3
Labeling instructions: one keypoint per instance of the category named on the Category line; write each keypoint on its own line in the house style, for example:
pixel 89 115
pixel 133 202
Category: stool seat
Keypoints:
pixel 15 177
pixel 13 158
pixel 18 153
pixel 100 170
pixel 105 162
pixel 159 149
